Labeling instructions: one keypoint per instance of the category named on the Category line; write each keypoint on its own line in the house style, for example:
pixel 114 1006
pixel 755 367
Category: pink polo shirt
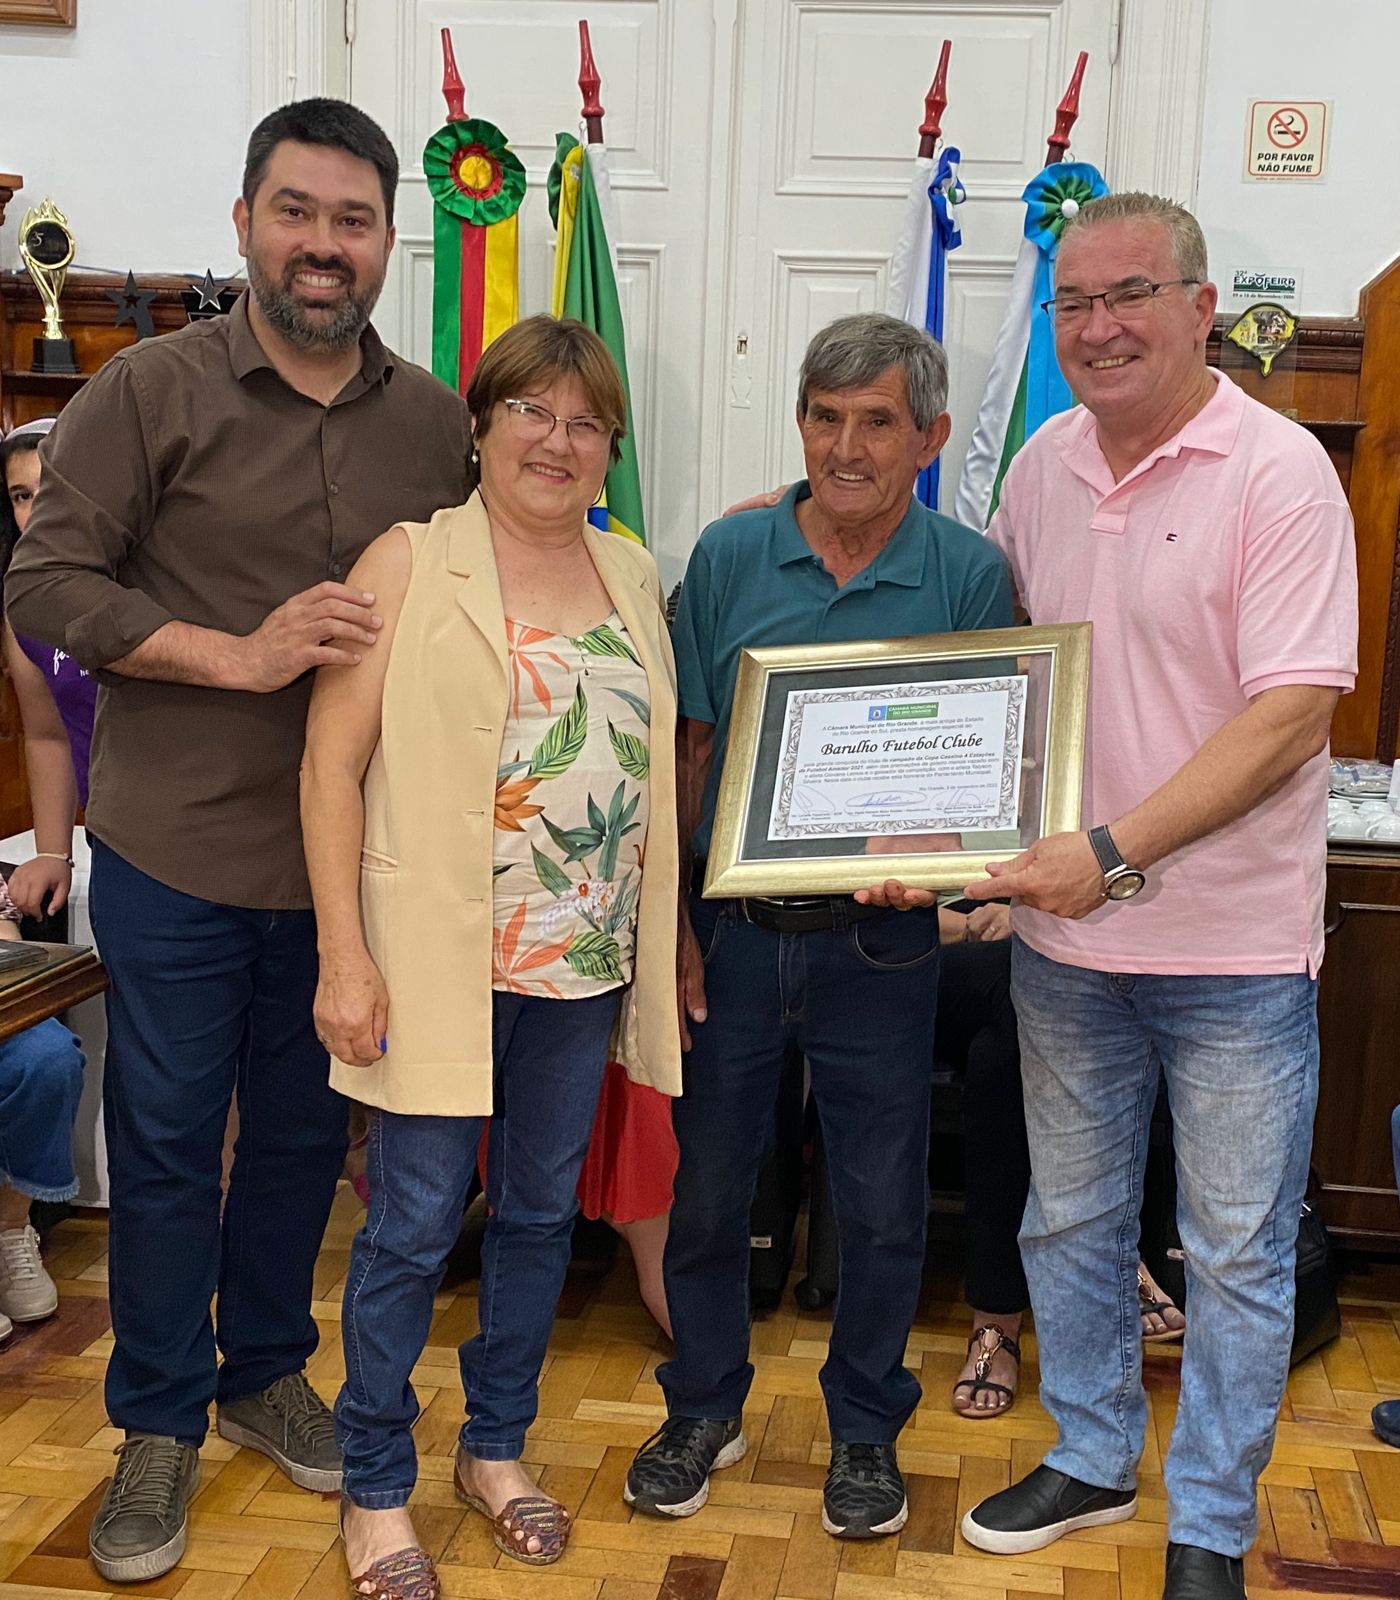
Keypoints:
pixel 1221 566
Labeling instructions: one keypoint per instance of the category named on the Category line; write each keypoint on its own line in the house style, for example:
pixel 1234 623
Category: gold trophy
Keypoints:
pixel 46 248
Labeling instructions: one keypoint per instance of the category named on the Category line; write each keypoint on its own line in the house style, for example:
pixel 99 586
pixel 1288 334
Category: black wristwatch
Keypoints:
pixel 1120 881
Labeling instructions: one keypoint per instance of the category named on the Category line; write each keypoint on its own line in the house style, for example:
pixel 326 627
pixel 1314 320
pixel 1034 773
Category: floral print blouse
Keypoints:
pixel 571 812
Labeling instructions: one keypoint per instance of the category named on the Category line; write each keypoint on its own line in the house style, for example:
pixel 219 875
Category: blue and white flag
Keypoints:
pixel 918 287
pixel 1025 385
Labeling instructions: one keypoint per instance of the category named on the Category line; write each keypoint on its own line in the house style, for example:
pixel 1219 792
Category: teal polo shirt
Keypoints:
pixel 753 580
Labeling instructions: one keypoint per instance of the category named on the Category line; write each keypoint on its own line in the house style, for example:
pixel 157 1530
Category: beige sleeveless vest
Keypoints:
pixel 425 871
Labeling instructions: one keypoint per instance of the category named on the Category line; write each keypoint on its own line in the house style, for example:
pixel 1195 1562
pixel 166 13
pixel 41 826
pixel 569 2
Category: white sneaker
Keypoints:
pixel 6 1327
pixel 27 1292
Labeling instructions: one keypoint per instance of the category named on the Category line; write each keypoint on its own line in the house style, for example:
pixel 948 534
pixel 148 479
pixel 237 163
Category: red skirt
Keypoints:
pixel 632 1156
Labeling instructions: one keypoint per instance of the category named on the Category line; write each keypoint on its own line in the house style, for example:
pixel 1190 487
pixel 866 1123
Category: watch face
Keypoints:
pixel 1125 885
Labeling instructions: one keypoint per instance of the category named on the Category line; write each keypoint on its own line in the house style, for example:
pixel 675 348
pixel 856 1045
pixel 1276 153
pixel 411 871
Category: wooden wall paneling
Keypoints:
pixel 1359 1023
pixel 1375 502
pixel 89 319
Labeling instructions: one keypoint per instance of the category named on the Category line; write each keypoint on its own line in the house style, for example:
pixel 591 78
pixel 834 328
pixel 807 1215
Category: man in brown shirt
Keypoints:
pixel 203 498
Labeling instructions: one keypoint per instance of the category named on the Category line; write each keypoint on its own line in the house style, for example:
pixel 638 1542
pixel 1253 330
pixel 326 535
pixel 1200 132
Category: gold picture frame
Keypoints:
pixel 1037 676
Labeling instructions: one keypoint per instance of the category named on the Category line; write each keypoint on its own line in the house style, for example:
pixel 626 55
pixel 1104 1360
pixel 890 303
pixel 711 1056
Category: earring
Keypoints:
pixel 476 457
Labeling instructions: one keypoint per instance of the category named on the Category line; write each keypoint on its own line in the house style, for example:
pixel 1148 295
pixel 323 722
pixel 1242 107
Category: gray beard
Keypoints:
pixel 279 305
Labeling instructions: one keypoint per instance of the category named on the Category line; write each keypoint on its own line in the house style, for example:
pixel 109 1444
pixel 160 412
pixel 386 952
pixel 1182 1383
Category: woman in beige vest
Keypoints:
pixel 489 810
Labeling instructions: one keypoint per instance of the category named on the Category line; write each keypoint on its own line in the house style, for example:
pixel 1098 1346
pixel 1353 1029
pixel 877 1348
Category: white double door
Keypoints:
pixel 760 152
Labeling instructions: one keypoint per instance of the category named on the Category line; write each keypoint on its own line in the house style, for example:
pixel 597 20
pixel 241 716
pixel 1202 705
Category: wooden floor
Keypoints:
pixel 1329 1503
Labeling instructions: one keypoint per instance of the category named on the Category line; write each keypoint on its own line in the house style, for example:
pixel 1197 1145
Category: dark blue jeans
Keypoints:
pixel 549 1060
pixel 208 1002
pixel 859 1002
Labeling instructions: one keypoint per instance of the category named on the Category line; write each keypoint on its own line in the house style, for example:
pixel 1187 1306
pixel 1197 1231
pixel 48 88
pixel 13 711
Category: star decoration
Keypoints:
pixel 206 299
pixel 133 305
pixel 208 292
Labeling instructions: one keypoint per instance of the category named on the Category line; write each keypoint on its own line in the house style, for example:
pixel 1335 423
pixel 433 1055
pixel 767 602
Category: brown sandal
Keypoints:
pixel 989 1339
pixel 1149 1305
pixel 528 1516
pixel 406 1575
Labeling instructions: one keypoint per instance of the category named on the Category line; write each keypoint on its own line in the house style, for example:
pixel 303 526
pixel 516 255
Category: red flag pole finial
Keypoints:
pixel 1067 114
pixel 935 104
pixel 453 90
pixel 589 84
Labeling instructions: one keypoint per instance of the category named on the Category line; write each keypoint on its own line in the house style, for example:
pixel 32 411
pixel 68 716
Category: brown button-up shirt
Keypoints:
pixel 188 482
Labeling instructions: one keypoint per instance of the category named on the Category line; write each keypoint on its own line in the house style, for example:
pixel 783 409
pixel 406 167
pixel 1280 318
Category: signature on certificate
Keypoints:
pixel 881 800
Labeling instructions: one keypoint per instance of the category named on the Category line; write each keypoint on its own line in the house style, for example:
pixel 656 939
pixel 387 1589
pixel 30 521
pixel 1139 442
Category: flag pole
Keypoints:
pixel 453 90
pixel 935 104
pixel 589 84
pixel 1066 114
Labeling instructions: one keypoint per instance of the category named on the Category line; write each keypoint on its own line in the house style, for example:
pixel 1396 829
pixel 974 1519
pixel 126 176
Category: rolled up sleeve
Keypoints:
pixel 97 495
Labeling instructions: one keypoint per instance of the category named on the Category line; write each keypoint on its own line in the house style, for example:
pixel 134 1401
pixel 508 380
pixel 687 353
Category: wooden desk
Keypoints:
pixel 69 973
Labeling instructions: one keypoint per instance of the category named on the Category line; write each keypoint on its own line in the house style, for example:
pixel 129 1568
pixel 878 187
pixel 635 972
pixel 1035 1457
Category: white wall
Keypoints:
pixel 1340 231
pixel 135 123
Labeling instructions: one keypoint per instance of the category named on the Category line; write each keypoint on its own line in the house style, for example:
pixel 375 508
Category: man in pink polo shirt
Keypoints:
pixel 1208 541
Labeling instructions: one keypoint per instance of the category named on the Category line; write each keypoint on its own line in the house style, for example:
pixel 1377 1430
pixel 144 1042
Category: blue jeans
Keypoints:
pixel 41 1082
pixel 859 1002
pixel 207 1002
pixel 1239 1055
pixel 549 1060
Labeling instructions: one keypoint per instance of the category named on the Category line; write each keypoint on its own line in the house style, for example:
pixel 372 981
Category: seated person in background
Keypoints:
pixel 56 698
pixel 846 555
pixel 41 1082
pixel 976 1034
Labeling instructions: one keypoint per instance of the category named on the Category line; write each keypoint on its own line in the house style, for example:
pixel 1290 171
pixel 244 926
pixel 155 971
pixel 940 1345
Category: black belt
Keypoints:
pixel 797 914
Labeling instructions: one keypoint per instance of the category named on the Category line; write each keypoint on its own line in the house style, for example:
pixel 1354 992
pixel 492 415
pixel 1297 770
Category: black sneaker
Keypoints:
pixel 864 1494
pixel 1197 1574
pixel 139 1530
pixel 1035 1512
pixel 291 1423
pixel 670 1474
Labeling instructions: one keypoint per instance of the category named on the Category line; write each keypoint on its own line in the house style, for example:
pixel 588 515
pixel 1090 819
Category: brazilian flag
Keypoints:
pixel 585 287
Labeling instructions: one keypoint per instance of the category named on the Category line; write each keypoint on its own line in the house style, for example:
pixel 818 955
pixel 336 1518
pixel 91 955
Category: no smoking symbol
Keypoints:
pixel 1288 127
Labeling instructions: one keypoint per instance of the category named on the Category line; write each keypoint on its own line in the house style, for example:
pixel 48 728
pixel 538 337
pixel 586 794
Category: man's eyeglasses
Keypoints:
pixel 535 423
pixel 1127 301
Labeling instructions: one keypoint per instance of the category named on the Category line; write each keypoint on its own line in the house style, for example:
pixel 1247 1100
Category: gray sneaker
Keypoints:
pixel 291 1423
pixel 27 1292
pixel 139 1530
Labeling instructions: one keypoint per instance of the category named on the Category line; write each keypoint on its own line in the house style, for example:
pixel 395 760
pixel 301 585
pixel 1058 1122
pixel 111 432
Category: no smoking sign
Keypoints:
pixel 1287 139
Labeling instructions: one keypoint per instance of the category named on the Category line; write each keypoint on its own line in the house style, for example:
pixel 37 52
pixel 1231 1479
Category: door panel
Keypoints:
pixel 834 137
pixel 760 153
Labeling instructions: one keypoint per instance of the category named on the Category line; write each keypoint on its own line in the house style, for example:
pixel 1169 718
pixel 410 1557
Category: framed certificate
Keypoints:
pixel 917 759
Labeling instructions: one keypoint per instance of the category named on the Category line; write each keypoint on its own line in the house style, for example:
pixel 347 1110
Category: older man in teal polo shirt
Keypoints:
pixel 847 554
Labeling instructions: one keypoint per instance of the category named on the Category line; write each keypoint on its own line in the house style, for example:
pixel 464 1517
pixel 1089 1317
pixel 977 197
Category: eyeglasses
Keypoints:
pixel 1129 300
pixel 535 423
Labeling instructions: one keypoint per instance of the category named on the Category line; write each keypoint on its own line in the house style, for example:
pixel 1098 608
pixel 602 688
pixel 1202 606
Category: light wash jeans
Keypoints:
pixel 1240 1059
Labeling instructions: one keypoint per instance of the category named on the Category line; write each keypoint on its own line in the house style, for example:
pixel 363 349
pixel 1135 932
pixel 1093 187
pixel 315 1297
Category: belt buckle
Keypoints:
pixel 757 900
